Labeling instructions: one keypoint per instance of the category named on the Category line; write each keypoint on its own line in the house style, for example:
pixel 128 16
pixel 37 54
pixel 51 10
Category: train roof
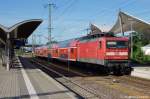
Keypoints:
pixel 42 47
pixel 72 42
pixel 95 36
pixel 67 43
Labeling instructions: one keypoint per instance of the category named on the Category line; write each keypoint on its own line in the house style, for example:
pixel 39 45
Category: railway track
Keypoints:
pixel 110 87
pixel 86 93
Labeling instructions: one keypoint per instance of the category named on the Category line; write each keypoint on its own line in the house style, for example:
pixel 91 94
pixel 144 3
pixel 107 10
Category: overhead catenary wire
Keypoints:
pixel 128 4
pixel 63 4
pixel 109 10
pixel 66 9
pixel 123 4
pixel 70 4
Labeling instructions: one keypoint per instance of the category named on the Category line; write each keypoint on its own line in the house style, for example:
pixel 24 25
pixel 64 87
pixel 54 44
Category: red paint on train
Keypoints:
pixel 103 50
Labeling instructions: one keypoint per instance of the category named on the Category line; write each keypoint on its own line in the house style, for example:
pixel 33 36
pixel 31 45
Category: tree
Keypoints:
pixel 138 42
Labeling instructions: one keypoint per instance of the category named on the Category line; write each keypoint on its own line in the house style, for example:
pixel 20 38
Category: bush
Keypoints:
pixel 138 55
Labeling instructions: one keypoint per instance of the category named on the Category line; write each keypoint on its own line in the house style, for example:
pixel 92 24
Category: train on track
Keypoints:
pixel 102 49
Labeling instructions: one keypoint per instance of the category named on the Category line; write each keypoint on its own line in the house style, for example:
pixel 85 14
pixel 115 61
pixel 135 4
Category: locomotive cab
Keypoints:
pixel 117 55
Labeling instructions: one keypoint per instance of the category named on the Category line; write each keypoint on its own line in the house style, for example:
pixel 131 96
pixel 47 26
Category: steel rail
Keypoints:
pixel 91 91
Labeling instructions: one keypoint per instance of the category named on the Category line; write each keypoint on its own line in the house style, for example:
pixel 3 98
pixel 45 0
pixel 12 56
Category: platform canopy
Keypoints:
pixel 126 22
pixel 94 29
pixel 21 30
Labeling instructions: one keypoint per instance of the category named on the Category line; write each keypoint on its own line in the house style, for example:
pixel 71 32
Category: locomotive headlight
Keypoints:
pixel 123 53
pixel 117 53
pixel 110 53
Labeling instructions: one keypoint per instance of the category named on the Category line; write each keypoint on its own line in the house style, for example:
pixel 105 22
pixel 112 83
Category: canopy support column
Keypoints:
pixel 121 25
pixel 8 52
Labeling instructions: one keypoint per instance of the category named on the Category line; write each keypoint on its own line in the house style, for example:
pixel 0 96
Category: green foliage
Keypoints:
pixel 138 42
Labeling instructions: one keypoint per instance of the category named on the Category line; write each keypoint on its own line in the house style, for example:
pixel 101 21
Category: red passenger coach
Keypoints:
pixel 68 50
pixel 53 51
pixel 41 51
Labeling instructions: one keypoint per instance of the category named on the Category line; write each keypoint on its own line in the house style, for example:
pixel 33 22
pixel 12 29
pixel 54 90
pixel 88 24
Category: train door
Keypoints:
pixel 72 54
pixel 101 52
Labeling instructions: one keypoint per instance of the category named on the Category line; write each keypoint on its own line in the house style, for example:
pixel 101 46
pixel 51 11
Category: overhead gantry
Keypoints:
pixel 8 35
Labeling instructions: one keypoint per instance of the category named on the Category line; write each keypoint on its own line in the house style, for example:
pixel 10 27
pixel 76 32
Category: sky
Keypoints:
pixel 70 18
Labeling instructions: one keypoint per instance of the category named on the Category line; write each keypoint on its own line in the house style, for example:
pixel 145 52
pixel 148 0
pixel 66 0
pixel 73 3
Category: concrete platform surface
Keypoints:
pixel 142 72
pixel 29 82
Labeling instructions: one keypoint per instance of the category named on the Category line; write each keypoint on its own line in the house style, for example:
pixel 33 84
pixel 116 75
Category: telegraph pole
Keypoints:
pixel 50 5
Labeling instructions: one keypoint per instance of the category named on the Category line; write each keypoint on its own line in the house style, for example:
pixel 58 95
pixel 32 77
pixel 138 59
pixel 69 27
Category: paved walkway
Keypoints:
pixel 30 82
pixel 141 71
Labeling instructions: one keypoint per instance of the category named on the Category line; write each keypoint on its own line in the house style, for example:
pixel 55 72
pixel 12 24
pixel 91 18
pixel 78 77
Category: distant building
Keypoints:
pixel 146 49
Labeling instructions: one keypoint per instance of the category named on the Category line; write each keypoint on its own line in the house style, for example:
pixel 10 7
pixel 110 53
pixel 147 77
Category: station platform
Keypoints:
pixel 142 71
pixel 29 82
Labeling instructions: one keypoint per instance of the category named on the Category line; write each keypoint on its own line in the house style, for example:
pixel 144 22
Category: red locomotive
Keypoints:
pixel 103 49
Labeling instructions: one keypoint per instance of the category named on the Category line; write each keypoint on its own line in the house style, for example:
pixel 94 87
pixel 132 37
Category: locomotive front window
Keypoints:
pixel 117 44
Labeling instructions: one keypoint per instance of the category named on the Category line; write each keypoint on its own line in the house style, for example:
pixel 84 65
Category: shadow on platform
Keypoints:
pixel 86 72
pixel 38 94
pixel 140 65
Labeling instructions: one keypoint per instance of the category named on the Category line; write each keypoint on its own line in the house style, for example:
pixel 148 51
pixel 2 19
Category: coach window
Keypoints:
pixel 100 44
pixel 71 50
pixel 56 51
